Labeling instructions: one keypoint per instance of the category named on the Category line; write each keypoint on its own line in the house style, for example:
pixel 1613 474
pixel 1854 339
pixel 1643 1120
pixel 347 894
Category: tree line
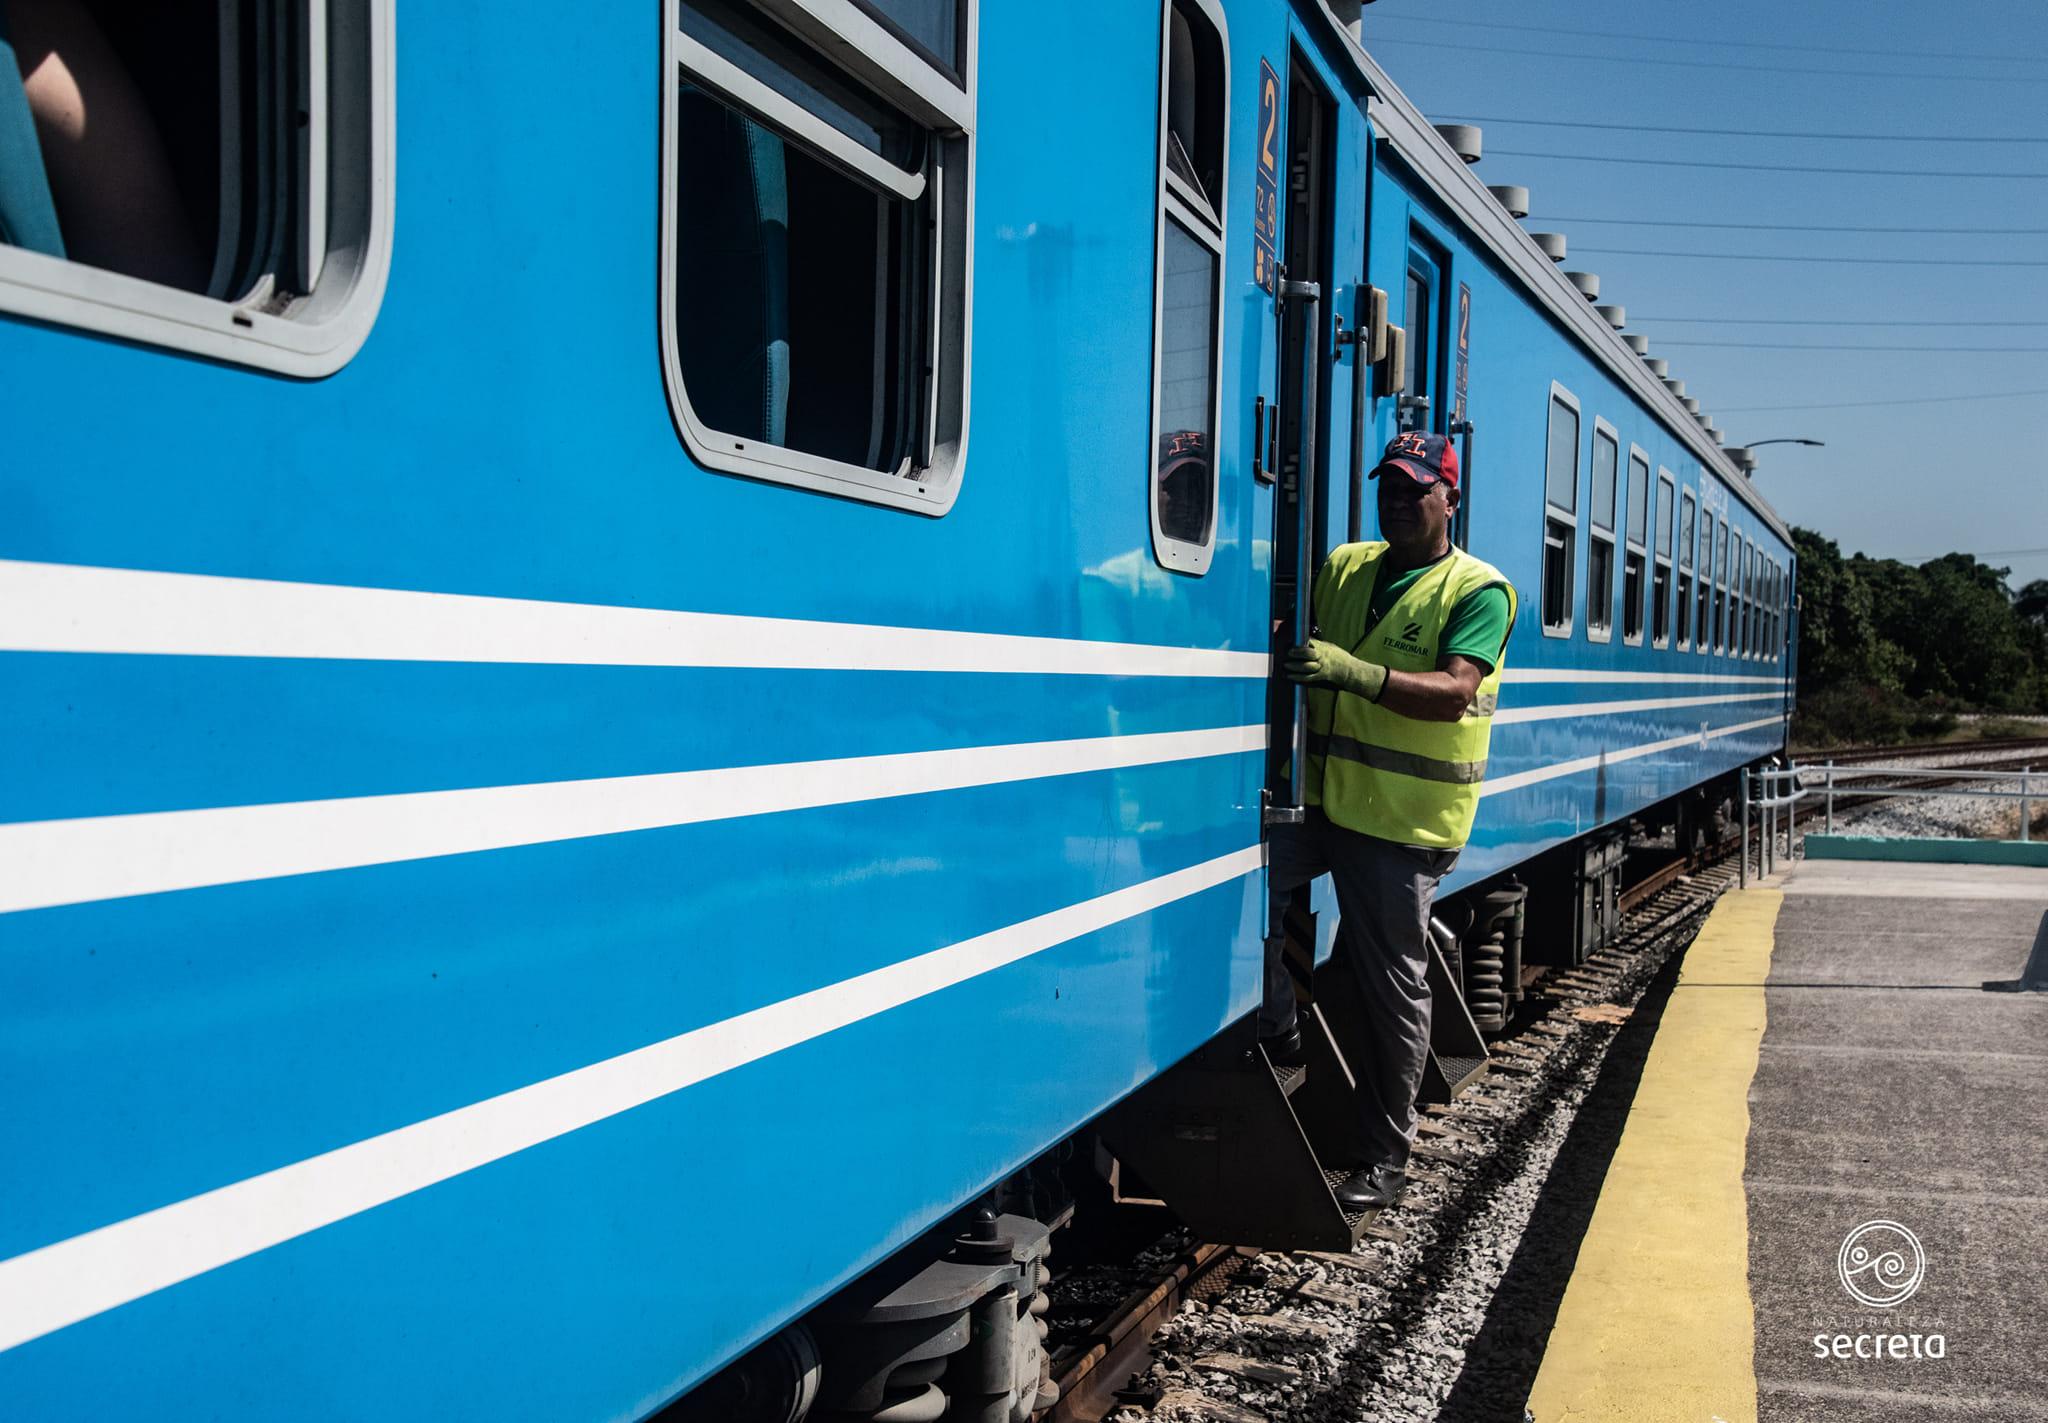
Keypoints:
pixel 1890 652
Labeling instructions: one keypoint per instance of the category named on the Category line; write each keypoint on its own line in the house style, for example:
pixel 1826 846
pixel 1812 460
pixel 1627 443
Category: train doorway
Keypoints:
pixel 1301 402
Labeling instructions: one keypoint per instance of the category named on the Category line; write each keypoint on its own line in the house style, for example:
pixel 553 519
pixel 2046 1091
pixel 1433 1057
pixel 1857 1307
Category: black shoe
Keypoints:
pixel 1372 1188
pixel 1285 1049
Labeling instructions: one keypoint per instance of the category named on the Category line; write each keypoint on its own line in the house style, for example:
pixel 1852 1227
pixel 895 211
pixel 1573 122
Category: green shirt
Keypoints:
pixel 1478 628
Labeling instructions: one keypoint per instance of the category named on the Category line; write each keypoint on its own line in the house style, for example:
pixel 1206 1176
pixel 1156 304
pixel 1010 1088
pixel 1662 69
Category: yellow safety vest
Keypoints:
pixel 1373 770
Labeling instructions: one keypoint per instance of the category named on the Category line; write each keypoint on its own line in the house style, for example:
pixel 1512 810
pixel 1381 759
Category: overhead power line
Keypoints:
pixel 1771 167
pixel 1804 227
pixel 1829 256
pixel 1750 132
pixel 1804 70
pixel 1872 404
pixel 1690 40
pixel 1824 346
pixel 1818 321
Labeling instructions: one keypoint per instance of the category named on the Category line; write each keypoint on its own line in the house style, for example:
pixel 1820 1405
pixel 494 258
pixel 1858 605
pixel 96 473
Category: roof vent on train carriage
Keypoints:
pixel 1638 343
pixel 1659 367
pixel 1550 244
pixel 1588 284
pixel 1615 316
pixel 1691 404
pixel 1515 200
pixel 1676 387
pixel 1463 139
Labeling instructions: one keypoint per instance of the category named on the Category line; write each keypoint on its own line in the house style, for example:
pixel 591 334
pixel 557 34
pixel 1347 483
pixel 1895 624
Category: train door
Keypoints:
pixel 1301 401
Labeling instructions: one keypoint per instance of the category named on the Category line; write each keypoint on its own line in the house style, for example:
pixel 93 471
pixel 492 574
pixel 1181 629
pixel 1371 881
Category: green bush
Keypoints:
pixel 1868 716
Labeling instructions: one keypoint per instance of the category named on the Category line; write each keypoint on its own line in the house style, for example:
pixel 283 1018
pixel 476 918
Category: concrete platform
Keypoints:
pixel 1843 1047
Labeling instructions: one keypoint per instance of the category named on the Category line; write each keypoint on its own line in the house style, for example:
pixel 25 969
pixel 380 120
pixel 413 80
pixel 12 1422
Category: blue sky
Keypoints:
pixel 1907 476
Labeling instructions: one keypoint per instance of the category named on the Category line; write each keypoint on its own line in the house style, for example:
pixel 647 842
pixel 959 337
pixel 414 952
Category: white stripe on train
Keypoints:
pixel 55 607
pixel 60 1284
pixel 57 1285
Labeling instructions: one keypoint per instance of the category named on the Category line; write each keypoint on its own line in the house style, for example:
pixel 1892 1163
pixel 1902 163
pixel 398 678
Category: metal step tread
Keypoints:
pixel 1458 1071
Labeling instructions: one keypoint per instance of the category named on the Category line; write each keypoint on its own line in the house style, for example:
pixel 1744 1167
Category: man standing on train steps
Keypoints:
pixel 1402 675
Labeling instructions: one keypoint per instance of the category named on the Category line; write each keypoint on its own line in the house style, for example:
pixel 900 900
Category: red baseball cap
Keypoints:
pixel 1424 458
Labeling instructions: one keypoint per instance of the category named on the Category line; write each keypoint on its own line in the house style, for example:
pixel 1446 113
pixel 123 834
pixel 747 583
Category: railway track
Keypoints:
pixel 1298 1314
pixel 1921 751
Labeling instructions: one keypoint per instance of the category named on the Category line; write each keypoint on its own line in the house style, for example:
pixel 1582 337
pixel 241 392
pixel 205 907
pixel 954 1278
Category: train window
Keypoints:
pixel 210 176
pixel 1686 519
pixel 1560 511
pixel 1778 602
pixel 1752 643
pixel 1600 509
pixel 1721 588
pixel 1770 610
pixel 1754 605
pixel 815 257
pixel 1188 311
pixel 1423 405
pixel 1637 552
pixel 1660 578
pixel 935 27
pixel 1704 634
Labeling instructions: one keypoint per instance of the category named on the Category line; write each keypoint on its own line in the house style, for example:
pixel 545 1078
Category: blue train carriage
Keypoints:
pixel 541 846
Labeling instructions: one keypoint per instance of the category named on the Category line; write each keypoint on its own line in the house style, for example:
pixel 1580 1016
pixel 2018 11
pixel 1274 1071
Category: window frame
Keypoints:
pixel 1703 634
pixel 1756 602
pixel 1722 535
pixel 1173 203
pixel 1603 631
pixel 1745 558
pixel 1629 546
pixel 1664 492
pixel 1556 513
pixel 1778 619
pixel 1428 264
pixel 901 74
pixel 351 201
pixel 1687 566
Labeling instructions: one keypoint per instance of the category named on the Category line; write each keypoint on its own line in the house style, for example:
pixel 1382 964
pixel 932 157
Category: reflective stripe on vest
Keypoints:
pixel 1374 770
pixel 1407 763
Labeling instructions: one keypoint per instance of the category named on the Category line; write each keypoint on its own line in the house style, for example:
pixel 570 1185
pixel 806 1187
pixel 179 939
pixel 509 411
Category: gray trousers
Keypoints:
pixel 1384 894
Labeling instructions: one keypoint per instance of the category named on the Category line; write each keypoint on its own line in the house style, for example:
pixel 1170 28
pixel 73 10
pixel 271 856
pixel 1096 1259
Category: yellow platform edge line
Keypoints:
pixel 1657 1322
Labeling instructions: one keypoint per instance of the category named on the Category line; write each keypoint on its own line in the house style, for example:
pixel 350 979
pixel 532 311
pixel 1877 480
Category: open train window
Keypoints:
pixel 814 275
pixel 1560 511
pixel 1600 510
pixel 1686 519
pixel 1660 577
pixel 211 176
pixel 1637 550
pixel 1187 308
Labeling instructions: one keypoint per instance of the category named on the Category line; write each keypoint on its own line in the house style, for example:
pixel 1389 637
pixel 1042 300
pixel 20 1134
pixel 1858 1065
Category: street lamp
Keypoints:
pixel 1747 461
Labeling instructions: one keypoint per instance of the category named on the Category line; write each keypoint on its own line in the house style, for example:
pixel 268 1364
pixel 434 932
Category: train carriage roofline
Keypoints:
pixel 1412 138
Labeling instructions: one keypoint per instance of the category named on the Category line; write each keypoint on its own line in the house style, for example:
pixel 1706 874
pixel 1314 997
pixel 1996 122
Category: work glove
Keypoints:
pixel 1324 664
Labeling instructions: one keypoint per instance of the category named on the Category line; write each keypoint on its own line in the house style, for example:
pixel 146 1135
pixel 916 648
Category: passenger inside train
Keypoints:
pixel 85 169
